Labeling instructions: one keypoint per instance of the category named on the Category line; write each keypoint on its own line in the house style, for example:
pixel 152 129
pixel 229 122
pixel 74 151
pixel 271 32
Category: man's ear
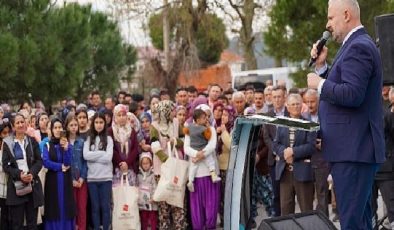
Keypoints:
pixel 347 16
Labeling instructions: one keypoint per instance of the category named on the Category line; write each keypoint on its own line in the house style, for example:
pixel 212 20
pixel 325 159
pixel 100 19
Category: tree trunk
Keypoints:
pixel 246 35
pixel 278 62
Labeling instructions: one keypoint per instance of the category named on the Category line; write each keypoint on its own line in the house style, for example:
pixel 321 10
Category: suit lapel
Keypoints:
pixel 343 47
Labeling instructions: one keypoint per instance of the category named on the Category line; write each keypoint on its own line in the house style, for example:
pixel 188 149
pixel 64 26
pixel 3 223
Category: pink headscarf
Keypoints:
pixel 121 133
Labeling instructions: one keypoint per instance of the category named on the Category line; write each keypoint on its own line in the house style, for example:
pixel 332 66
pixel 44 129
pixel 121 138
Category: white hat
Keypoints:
pixel 145 155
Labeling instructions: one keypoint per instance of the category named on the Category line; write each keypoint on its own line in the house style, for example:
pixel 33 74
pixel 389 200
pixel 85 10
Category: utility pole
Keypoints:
pixel 166 36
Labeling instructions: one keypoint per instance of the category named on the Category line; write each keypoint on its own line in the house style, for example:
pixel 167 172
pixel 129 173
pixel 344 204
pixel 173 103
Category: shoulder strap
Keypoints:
pixel 31 148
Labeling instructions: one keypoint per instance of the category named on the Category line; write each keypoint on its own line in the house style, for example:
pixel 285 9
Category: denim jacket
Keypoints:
pixel 79 166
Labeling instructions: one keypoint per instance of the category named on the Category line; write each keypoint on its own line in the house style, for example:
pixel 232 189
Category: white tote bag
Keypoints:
pixel 125 215
pixel 173 178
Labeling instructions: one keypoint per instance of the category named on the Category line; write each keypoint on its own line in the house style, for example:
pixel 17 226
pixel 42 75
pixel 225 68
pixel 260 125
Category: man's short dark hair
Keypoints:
pixel 164 91
pixel 215 84
pixel 202 94
pixel 249 87
pixel 137 97
pixel 294 91
pixel 197 114
pixel 192 89
pixel 181 89
pixel 122 92
pixel 95 92
pixel 222 97
pixel 279 87
pixel 229 91
pixel 133 107
pixel 259 91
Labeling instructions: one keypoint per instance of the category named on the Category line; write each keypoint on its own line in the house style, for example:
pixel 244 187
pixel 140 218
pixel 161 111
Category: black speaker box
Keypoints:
pixel 385 37
pixel 313 220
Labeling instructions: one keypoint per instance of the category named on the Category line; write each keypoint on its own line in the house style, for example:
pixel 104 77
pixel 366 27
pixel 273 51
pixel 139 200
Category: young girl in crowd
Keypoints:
pixel 181 113
pixel 78 170
pixel 42 125
pixel 82 117
pixel 59 199
pixel 146 121
pixel 98 151
pixel 147 186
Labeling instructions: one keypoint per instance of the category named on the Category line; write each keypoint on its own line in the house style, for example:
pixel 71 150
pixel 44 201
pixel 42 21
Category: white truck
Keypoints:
pixel 259 77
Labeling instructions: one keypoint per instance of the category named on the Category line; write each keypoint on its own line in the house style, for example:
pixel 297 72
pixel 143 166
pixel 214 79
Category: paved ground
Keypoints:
pixel 262 214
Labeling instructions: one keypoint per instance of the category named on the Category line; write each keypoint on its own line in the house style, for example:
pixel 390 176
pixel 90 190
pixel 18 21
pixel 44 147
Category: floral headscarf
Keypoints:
pixel 121 133
pixel 164 110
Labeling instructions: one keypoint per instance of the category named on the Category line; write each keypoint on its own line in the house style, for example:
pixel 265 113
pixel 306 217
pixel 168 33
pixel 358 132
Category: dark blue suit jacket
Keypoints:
pixel 350 110
pixel 303 148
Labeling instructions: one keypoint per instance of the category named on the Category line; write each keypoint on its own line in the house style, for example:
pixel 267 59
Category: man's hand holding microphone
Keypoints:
pixel 318 56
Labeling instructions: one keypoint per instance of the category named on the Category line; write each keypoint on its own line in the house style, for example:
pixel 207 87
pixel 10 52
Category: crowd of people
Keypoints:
pixel 58 168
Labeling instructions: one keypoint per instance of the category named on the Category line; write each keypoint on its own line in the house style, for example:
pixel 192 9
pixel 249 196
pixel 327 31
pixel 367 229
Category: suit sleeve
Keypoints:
pixel 307 149
pixel 355 71
pixel 277 146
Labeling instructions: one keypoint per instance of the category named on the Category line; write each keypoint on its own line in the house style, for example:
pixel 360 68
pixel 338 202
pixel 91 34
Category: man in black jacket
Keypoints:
pixel 384 179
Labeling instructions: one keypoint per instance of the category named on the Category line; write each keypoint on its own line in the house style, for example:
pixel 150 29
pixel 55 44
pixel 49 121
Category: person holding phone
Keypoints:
pixel 59 196
pixel 21 162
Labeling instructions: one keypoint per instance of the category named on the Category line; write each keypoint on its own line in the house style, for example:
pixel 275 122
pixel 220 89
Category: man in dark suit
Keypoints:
pixel 320 166
pixel 278 96
pixel 294 149
pixel 350 112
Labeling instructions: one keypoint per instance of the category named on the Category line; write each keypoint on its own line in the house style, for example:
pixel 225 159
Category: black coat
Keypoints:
pixel 10 167
pixel 386 170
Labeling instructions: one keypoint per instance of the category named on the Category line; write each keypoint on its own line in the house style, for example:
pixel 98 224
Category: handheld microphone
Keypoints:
pixel 320 45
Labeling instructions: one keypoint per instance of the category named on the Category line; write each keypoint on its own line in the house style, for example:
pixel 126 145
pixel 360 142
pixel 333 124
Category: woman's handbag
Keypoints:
pixel 173 178
pixel 22 188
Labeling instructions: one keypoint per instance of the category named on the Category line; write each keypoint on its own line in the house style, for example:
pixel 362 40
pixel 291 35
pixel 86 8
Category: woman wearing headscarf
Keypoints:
pixel 205 199
pixel 163 130
pixel 125 154
pixel 217 113
pixel 223 148
pixel 59 197
pixel 201 100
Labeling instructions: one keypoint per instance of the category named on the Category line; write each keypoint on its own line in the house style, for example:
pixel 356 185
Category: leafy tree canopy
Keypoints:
pixel 57 52
pixel 208 36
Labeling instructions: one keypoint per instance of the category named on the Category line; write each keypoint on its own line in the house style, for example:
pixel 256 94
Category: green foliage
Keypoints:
pixel 156 30
pixel 211 38
pixel 297 24
pixel 57 52
pixel 209 35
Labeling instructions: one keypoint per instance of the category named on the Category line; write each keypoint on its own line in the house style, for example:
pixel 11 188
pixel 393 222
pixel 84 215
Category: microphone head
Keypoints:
pixel 326 35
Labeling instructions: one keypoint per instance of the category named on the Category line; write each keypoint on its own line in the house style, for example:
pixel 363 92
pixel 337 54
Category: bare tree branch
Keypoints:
pixel 236 8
